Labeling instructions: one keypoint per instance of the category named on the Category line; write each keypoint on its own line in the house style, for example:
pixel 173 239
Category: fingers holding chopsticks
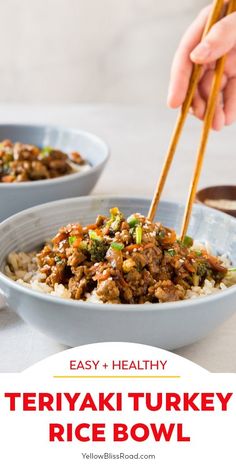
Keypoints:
pixel 204 89
pixel 220 40
pixel 182 64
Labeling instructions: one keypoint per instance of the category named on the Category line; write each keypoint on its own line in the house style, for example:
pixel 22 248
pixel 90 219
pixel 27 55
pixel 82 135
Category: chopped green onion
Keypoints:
pixel 138 234
pixel 171 252
pixel 6 166
pixel 58 259
pixel 94 236
pixel 196 280
pixel 198 253
pixel 132 221
pixel 161 234
pixel 46 151
pixel 188 241
pixel 71 240
pixel 232 269
pixel 118 246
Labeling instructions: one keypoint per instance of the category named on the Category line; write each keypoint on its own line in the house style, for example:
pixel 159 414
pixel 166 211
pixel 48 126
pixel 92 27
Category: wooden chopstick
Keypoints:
pixel 214 16
pixel 209 114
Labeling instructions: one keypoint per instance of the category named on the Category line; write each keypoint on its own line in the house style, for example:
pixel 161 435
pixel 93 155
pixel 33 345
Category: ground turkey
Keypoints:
pixel 166 291
pixel 108 291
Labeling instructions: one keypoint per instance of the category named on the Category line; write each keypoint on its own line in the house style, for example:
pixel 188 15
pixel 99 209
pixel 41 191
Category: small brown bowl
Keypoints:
pixel 211 197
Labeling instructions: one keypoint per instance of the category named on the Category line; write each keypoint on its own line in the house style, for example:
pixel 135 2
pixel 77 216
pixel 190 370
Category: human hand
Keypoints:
pixel 220 40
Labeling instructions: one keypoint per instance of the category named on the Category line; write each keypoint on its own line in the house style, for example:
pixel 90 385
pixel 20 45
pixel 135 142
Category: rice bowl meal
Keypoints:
pixel 21 162
pixel 118 260
pixel 43 163
pixel 30 283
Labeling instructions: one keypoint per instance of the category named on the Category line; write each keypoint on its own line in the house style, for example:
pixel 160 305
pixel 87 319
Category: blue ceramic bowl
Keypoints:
pixel 18 196
pixel 167 325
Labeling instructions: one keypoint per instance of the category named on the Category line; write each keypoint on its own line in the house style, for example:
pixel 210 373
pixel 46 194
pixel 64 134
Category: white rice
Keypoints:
pixel 207 289
pixel 22 267
pixel 93 297
pixel 80 168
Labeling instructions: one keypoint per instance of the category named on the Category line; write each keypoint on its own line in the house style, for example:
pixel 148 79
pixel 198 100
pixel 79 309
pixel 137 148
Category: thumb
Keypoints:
pixel 219 41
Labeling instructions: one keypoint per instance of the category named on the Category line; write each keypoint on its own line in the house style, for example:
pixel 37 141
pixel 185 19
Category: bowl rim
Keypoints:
pixel 202 200
pixel 64 178
pixel 213 187
pixel 114 307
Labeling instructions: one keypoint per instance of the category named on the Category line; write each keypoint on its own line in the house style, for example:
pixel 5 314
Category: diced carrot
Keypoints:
pixel 59 237
pixel 99 232
pixel 8 178
pixel 189 267
pixel 77 242
pixel 102 277
pixel 88 227
pixel 169 238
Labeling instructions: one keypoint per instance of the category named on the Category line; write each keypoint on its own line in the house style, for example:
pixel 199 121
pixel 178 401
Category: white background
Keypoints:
pixel 24 435
pixel 90 50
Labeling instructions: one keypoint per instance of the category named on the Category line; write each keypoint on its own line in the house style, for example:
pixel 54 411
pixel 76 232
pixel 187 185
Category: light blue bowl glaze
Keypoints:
pixel 18 196
pixel 168 325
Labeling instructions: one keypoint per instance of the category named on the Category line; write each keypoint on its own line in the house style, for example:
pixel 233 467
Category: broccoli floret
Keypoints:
pixel 97 250
pixel 202 269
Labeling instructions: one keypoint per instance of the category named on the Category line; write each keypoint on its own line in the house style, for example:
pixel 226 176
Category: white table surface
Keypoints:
pixel 138 137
